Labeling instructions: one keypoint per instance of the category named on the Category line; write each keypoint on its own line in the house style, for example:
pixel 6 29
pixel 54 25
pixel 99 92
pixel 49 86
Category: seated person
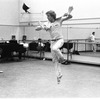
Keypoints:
pixel 13 40
pixel 40 46
pixel 25 45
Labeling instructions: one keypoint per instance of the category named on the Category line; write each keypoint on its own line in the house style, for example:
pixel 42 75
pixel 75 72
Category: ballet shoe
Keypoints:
pixel 60 76
pixel 59 79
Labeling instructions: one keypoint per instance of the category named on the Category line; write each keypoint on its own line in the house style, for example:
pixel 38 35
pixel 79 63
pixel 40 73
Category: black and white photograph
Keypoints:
pixel 49 49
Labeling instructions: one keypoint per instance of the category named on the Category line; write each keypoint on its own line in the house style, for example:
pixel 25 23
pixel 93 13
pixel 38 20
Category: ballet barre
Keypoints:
pixel 86 43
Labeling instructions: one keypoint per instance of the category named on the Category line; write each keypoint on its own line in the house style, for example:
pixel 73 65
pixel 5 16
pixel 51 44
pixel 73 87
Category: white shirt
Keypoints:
pixel 25 45
pixel 55 29
pixel 92 38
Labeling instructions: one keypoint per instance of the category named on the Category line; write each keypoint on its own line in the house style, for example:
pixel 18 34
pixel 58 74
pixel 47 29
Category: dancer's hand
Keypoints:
pixel 70 9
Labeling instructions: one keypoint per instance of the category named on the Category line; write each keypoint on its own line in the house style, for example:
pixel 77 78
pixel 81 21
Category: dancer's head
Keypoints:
pixel 51 15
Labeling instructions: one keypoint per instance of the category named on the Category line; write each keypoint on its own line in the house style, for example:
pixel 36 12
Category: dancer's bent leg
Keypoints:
pixel 56 48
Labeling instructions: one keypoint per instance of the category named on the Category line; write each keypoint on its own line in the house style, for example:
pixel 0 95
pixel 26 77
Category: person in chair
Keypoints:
pixel 13 40
pixel 40 48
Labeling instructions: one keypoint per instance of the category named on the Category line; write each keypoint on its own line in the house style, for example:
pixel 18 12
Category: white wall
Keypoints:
pixel 11 10
pixel 9 19
pixel 9 13
pixel 7 31
pixel 72 32
pixel 82 8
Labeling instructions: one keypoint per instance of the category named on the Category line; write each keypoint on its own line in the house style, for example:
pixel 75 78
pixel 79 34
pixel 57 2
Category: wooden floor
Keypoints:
pixel 33 78
pixel 86 58
pixel 80 58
